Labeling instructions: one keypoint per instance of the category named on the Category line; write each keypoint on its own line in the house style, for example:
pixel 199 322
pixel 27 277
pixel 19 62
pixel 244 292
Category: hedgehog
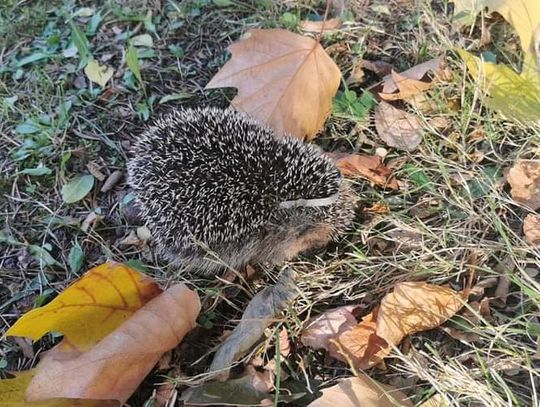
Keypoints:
pixel 220 190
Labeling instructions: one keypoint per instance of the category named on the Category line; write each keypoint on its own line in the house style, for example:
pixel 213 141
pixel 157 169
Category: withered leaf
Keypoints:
pixel 531 229
pixel 398 128
pixel 321 329
pixel 361 391
pixel 365 166
pixel 407 87
pixel 283 79
pixel 524 178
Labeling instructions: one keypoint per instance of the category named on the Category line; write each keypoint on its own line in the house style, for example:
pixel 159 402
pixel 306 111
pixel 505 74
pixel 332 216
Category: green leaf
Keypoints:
pixel 81 43
pixel 36 56
pixel 77 188
pixel 42 255
pixel 223 3
pixel 75 258
pixel 133 64
pixel 93 24
pixel 37 172
pixel 28 127
pixel 175 96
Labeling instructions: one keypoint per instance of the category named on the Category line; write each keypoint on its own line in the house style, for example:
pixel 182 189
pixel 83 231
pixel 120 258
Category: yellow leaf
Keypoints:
pixel 91 307
pixel 116 365
pixel 283 79
pixel 97 73
pixel 514 95
pixel 12 395
pixel 361 391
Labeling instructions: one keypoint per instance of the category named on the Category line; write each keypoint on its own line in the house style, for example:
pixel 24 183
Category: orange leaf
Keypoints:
pixel 417 72
pixel 407 87
pixel 365 166
pixel 524 178
pixel 90 308
pixel 116 365
pixel 531 229
pixel 360 345
pixel 283 79
pixel 414 307
pixel 361 391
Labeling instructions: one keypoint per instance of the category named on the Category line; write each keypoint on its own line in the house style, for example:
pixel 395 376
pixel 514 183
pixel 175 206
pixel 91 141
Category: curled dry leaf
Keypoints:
pixel 365 166
pixel 318 26
pixel 524 178
pixel 398 128
pixel 531 229
pixel 321 329
pixel 407 87
pixel 116 365
pixel 259 314
pixel 417 72
pixel 361 391
pixel 283 79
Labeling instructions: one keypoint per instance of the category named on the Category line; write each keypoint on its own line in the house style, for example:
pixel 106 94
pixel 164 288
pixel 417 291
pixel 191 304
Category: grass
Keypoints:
pixel 453 215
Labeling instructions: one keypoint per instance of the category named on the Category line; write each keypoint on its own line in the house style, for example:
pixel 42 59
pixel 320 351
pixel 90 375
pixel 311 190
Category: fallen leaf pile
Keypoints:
pixel 411 307
pixel 116 324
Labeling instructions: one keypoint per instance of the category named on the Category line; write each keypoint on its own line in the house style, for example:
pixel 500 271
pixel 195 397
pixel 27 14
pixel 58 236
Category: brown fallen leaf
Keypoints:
pixel 524 178
pixel 410 308
pixel 398 128
pixel 407 87
pixel 361 391
pixel 416 72
pixel 360 345
pixel 259 314
pixel 283 79
pixel 116 365
pixel 321 329
pixel 414 307
pixel 365 166
pixel 380 68
pixel 318 26
pixel 531 229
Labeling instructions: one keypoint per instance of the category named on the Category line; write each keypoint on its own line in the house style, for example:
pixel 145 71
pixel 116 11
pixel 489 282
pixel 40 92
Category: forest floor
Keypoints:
pixel 452 216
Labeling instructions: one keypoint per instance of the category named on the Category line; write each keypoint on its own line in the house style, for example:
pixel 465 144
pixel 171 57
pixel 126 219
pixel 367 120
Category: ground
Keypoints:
pixel 453 215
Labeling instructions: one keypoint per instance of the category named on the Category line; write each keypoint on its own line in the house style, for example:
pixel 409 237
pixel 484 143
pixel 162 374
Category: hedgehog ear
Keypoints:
pixel 316 202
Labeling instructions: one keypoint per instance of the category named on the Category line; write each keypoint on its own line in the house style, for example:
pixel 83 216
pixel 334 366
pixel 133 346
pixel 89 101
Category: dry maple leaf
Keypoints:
pixel 283 79
pixel 91 307
pixel 524 178
pixel 398 128
pixel 360 345
pixel 407 87
pixel 417 72
pixel 365 166
pixel 414 307
pixel 116 365
pixel 531 229
pixel 361 391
